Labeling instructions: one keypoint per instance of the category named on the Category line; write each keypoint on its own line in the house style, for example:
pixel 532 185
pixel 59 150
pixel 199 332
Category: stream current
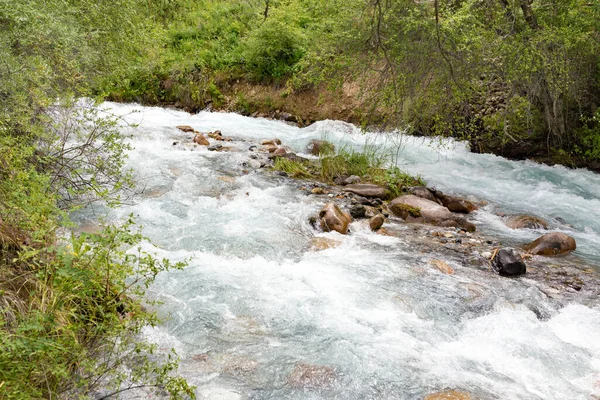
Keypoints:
pixel 255 302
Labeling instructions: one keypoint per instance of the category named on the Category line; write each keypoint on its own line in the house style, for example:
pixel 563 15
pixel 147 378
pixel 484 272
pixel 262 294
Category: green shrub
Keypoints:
pixel 273 50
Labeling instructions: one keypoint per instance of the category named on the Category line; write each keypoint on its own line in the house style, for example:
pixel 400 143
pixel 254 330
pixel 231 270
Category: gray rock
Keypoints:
pixel 508 262
pixel 358 211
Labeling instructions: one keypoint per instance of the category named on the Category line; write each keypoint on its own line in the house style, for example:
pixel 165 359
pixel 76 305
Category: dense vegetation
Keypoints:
pixel 70 305
pixel 520 77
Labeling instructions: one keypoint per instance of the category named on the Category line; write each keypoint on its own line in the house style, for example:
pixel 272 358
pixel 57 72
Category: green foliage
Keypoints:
pixel 70 310
pixel 273 50
pixel 590 137
pixel 371 165
pixel 293 168
pixel 83 311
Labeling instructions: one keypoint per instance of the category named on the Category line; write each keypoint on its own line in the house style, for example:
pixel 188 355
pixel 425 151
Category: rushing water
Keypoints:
pixel 255 302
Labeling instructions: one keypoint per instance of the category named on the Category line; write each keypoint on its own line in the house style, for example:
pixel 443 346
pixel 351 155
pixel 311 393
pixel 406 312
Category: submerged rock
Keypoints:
pixel 449 395
pixel 417 209
pixel 526 222
pixel 368 190
pixel 319 243
pixel 552 244
pixel 508 262
pixel 442 266
pixel 332 218
pixel 311 376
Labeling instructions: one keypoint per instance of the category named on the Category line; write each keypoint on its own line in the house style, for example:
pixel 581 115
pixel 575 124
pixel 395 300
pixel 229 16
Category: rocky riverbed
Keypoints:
pixel 276 303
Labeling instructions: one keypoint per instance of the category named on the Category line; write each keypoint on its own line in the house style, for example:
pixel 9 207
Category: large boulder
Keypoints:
pixel 526 222
pixel 508 262
pixel 417 209
pixel 552 244
pixel 332 218
pixel 368 190
pixel 317 147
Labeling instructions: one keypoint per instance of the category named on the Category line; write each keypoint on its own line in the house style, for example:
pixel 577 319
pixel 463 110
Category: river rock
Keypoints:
pixel 319 243
pixel 368 190
pixel 376 222
pixel 442 266
pixel 358 211
pixel 371 211
pixel 280 151
pixel 272 142
pixel 201 140
pixel 316 147
pixel 455 204
pixel 352 179
pixel 526 222
pixel 508 262
pixel 424 192
pixel 332 218
pixel 449 395
pixel 417 209
pixel 552 244
pixel 185 128
pixel 311 376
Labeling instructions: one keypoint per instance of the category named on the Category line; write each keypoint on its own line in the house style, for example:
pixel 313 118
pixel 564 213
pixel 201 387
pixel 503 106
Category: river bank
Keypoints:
pixel 350 104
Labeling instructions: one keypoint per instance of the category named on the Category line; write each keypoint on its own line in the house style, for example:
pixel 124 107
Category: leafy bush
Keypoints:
pixel 273 50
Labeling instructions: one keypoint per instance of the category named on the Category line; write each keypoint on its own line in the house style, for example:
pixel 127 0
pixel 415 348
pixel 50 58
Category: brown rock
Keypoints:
pixel 526 222
pixel 332 218
pixel 442 266
pixel 376 222
pixel 273 142
pixel 552 244
pixel 455 204
pixel 216 135
pixel 416 209
pixel 368 190
pixel 201 140
pixel 318 190
pixel 449 395
pixel 322 243
pixel 271 148
pixel 185 128
pixel 280 151
pixel 311 376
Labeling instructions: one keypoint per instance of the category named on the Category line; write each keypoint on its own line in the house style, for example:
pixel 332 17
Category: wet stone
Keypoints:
pixel 508 262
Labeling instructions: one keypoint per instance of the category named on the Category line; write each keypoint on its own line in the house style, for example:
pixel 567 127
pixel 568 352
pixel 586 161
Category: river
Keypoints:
pixel 369 318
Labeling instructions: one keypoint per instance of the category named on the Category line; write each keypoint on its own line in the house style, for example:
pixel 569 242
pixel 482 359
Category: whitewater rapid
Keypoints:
pixel 255 301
